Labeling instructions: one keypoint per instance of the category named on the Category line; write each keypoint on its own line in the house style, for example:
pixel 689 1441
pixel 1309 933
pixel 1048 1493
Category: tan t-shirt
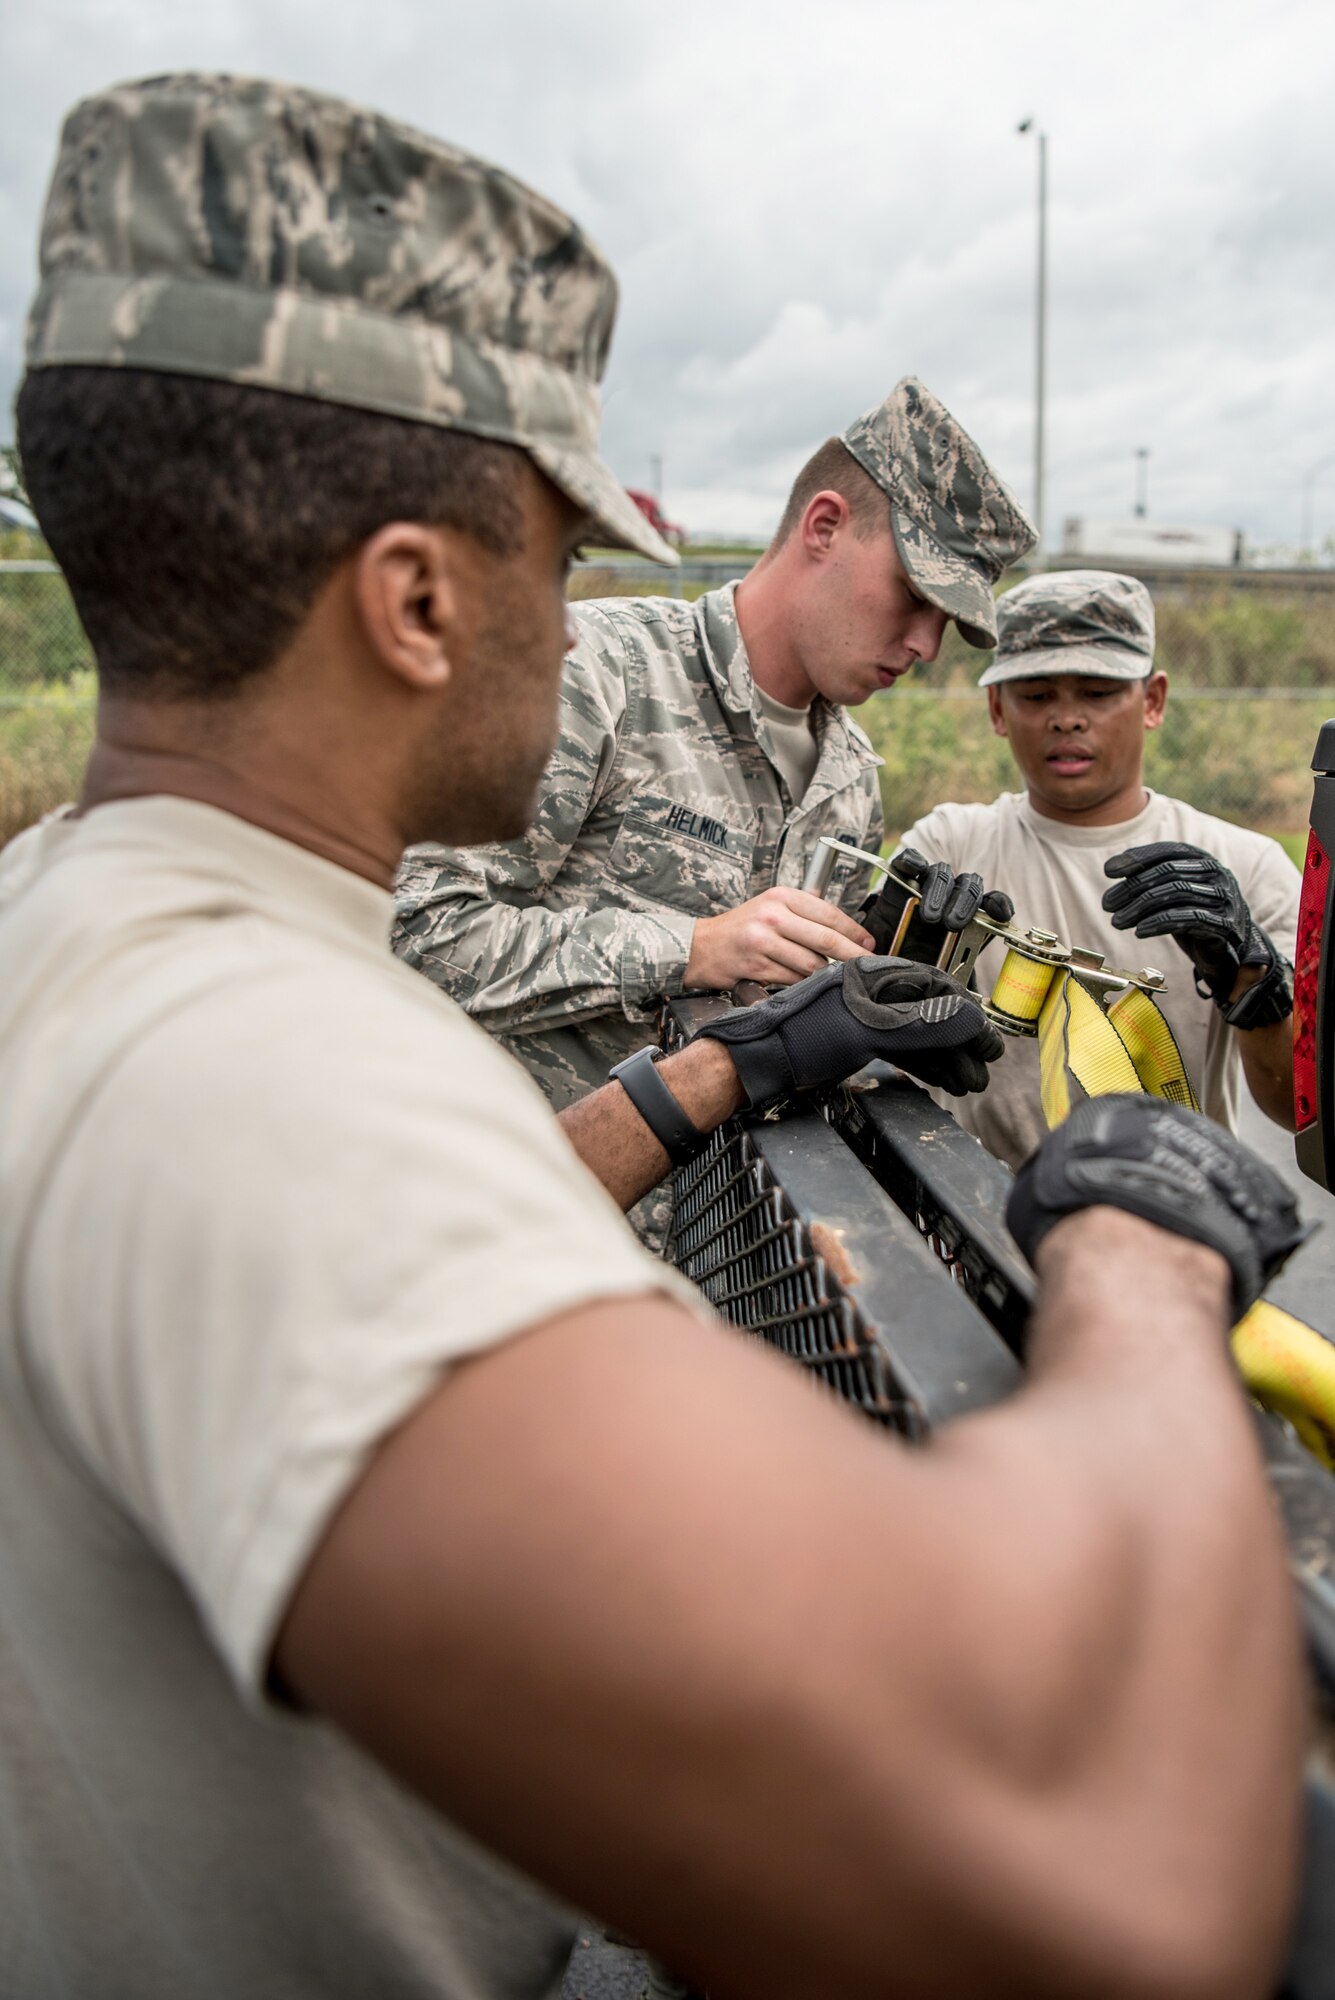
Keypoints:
pixel 793 741
pixel 260 1185
pixel 1054 875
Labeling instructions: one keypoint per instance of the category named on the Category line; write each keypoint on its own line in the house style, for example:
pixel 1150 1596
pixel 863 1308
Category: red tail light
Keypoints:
pixel 1307 980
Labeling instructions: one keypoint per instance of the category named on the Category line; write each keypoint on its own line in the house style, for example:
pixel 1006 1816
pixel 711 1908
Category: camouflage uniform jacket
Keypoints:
pixel 661 804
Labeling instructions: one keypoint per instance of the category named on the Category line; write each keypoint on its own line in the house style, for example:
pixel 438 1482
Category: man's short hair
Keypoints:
pixel 196 521
pixel 832 468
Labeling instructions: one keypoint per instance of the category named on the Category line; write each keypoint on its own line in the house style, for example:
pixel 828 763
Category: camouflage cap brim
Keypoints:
pixel 1104 662
pixel 340 352
pixel 584 478
pixel 956 527
pixel 1074 621
pixel 255 233
pixel 949 581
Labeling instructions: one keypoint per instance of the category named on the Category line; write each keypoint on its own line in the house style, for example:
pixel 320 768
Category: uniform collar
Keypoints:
pixel 724 648
pixel 844 750
pixel 201 852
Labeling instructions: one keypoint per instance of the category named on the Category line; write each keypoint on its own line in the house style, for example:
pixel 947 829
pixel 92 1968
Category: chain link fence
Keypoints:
pixel 1251 661
pixel 46 692
pixel 1250 657
pixel 1243 754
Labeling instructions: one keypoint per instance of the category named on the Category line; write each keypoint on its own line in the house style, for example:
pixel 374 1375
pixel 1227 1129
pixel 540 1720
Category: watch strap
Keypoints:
pixel 1266 1001
pixel 638 1076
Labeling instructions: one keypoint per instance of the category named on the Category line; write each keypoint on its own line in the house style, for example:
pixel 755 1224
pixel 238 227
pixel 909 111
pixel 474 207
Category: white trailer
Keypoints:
pixel 1150 544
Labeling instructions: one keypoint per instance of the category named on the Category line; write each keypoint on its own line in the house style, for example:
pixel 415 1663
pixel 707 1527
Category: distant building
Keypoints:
pixel 1139 543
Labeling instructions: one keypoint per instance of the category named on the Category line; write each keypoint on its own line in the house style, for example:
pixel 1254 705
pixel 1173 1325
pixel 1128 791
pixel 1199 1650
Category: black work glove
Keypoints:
pixel 1171 1166
pixel 834 1021
pixel 948 903
pixel 1171 890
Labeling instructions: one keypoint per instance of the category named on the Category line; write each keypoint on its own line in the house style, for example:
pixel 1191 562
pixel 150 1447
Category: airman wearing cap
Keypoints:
pixel 392 1559
pixel 1088 851
pixel 704 750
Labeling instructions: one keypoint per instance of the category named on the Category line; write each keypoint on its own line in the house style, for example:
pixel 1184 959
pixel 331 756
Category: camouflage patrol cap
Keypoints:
pixel 1074 621
pixel 956 527
pixel 255 233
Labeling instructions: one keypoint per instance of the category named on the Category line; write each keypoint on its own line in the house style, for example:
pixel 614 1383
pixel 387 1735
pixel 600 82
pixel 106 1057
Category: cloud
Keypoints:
pixel 803 206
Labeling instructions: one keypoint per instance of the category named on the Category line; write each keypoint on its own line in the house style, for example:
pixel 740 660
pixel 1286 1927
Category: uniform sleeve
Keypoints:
pixel 876 824
pixel 1273 891
pixel 293 1255
pixel 476 920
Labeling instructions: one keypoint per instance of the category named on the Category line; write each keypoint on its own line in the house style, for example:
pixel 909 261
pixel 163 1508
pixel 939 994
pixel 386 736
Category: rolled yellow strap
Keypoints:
pixel 1084 1052
pixel 1022 986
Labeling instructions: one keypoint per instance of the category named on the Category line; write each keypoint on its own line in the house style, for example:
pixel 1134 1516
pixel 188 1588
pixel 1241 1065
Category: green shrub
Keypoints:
pixel 934 749
pixel 1224 638
pixel 43 749
pixel 42 643
pixel 1244 760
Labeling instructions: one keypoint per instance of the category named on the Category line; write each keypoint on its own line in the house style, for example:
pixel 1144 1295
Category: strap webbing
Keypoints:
pixel 1291 1369
pixel 1084 1052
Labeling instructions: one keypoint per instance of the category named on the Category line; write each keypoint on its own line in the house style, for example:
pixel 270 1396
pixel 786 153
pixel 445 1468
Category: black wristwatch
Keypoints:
pixel 1266 1001
pixel 680 1139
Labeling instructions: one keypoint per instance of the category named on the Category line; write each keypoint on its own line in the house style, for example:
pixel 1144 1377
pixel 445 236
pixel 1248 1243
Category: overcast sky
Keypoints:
pixel 804 203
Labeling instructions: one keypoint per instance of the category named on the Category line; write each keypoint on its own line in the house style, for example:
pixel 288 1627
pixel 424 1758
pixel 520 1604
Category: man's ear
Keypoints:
pixel 823 518
pixel 1156 695
pixel 997 713
pixel 406 595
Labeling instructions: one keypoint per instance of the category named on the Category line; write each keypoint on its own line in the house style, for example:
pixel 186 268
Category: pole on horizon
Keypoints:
pixel 1309 490
pixel 1040 329
pixel 1142 481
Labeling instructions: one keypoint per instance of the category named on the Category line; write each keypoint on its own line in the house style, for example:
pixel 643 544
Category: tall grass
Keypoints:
pixel 1244 760
pixel 1228 743
pixel 43 749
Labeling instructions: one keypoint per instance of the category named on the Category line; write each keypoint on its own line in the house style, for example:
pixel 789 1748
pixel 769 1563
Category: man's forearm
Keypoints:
pixel 1029 1696
pixel 476 922
pixel 519 967
pixel 1267 1056
pixel 1267 1064
pixel 1164 1644
pixel 617 1146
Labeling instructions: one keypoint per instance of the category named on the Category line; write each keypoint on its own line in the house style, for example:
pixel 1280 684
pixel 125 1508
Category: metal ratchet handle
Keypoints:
pixel 1046 948
pixel 962 948
pixel 821 866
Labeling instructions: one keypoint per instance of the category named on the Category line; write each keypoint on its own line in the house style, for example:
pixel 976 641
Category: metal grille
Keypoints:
pixel 954 1194
pixel 969 1264
pixel 940 1236
pixel 736 1237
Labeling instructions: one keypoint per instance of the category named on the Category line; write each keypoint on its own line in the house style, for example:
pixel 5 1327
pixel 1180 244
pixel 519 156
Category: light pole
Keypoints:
pixel 1041 326
pixel 1309 489
pixel 1142 480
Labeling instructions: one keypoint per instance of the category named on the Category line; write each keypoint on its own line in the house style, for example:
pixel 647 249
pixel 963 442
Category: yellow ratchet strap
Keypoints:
pixel 1291 1369
pixel 1022 986
pixel 1084 1052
